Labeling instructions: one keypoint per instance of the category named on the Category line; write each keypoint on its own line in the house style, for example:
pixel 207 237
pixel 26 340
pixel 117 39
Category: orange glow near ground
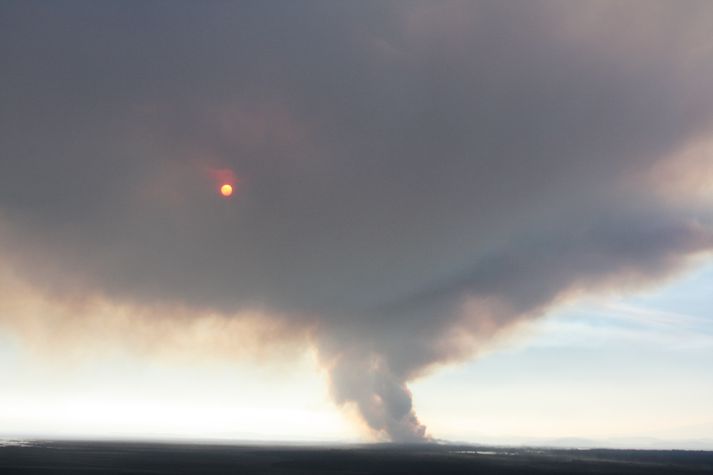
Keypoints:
pixel 226 190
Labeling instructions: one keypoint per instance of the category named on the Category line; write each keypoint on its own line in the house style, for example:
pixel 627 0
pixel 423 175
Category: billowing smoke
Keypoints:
pixel 411 179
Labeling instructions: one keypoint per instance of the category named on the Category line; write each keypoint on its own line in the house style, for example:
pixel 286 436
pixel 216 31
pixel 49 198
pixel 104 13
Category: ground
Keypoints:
pixel 163 458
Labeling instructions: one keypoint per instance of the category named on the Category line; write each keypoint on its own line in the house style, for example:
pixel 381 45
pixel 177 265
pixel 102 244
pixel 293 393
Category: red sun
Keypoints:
pixel 226 190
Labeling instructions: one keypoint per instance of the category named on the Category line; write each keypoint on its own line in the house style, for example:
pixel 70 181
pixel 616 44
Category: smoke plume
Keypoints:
pixel 410 179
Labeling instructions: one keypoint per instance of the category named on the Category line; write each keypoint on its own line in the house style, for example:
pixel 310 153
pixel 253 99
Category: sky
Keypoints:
pixel 480 221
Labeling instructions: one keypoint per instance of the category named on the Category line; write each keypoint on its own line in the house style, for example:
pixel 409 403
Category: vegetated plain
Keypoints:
pixel 72 457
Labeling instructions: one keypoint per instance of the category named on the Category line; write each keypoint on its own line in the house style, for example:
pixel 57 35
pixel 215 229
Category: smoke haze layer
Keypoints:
pixel 411 178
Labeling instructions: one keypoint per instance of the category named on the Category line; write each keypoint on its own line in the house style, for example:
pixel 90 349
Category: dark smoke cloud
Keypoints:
pixel 411 177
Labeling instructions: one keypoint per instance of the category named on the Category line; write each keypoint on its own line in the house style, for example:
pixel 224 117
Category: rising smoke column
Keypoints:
pixel 414 178
pixel 449 321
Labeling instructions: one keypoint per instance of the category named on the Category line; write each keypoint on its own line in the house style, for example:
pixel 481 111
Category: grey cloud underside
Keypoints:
pixel 394 160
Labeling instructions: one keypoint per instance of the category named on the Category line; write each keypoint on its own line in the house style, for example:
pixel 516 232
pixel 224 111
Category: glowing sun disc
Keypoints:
pixel 226 190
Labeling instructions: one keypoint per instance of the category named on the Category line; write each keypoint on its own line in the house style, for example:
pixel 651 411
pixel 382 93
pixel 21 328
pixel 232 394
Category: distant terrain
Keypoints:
pixel 49 457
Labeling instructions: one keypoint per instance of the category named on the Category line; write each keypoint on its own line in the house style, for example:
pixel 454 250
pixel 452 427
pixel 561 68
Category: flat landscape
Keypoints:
pixel 49 457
